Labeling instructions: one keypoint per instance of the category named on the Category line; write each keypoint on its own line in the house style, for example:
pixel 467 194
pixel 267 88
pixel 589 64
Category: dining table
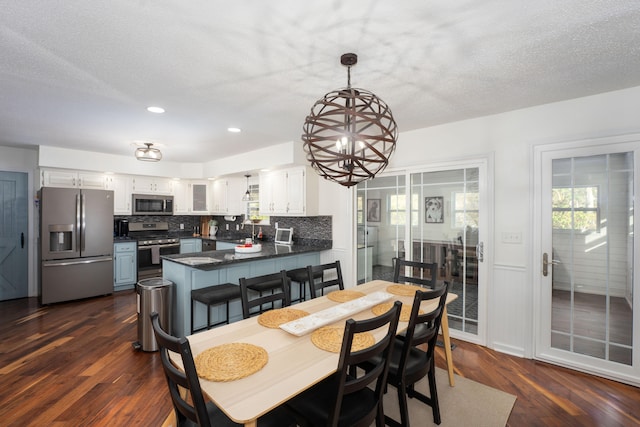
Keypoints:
pixel 294 363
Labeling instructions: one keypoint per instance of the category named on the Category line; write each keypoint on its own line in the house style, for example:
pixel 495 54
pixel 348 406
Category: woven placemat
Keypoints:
pixel 229 362
pixel 404 290
pixel 275 318
pixel 405 312
pixel 344 295
pixel 330 339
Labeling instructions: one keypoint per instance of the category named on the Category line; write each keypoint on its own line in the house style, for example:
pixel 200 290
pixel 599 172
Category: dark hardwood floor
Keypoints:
pixel 72 364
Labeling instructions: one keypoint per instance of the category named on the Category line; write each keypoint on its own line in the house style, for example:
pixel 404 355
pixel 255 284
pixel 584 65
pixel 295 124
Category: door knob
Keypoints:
pixel 546 263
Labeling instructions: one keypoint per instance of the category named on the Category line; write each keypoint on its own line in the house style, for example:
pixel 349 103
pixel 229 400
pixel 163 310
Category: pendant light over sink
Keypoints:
pixel 247 194
pixel 148 153
pixel 350 133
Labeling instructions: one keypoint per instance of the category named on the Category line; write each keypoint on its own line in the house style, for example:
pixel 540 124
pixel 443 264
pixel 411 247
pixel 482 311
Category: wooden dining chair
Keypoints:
pixel 344 399
pixel 420 273
pixel 409 364
pixel 278 286
pixel 301 277
pixel 189 405
pixel 324 276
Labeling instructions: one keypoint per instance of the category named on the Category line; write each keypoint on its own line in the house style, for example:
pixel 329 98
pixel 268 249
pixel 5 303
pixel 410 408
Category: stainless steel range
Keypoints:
pixel 153 241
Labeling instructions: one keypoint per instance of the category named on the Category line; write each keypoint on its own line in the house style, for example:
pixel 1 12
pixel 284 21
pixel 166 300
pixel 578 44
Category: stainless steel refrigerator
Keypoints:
pixel 76 244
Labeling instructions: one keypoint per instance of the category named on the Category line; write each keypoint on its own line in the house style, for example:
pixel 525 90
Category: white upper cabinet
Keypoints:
pixel 236 188
pixel 219 197
pixel 191 197
pixel 199 195
pixel 226 196
pixel 72 179
pixel 288 192
pixel 121 187
pixel 151 185
pixel 181 197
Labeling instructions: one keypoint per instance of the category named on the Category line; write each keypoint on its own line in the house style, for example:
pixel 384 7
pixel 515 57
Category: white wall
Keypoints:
pixel 509 138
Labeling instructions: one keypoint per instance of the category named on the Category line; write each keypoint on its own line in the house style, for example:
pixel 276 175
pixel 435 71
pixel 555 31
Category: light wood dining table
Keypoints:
pixel 294 364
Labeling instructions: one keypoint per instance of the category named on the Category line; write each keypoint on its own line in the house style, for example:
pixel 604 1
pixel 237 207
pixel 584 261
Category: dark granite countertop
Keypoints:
pixel 269 250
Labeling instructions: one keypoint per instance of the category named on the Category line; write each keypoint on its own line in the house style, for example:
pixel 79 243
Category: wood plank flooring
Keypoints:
pixel 72 364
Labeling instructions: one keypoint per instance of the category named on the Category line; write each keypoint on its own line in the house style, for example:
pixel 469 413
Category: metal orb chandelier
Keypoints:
pixel 148 153
pixel 350 133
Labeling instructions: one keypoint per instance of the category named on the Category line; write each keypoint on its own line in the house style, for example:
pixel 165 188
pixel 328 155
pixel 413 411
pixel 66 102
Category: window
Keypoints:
pixel 252 212
pixel 360 210
pixel 398 207
pixel 464 211
pixel 576 208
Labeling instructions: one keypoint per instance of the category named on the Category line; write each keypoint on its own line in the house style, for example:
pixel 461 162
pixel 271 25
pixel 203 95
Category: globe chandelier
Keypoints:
pixel 350 133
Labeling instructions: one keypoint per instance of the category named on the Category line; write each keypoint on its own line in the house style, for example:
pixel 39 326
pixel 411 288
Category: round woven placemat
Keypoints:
pixel 275 318
pixel 229 362
pixel 404 290
pixel 344 295
pixel 405 312
pixel 330 339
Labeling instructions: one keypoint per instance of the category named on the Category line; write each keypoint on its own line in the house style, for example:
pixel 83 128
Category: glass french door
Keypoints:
pixel 586 256
pixel 435 216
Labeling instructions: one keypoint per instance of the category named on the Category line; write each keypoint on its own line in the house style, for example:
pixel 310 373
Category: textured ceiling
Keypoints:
pixel 80 73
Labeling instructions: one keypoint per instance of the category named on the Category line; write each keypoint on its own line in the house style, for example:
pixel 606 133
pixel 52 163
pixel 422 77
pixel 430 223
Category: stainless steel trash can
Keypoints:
pixel 154 294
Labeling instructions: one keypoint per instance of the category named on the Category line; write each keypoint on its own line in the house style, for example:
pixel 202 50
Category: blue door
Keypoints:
pixel 13 235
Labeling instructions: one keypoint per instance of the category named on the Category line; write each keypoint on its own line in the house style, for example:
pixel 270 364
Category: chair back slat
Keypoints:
pixel 421 273
pixel 278 285
pixel 347 381
pixel 324 276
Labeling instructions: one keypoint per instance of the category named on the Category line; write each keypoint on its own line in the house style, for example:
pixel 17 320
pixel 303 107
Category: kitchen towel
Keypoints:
pixel 155 254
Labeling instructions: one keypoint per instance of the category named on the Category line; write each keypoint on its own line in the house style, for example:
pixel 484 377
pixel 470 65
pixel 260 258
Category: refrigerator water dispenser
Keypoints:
pixel 60 237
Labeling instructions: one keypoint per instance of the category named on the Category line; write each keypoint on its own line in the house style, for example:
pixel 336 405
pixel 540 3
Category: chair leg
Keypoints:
pixel 434 396
pixel 208 316
pixel 192 310
pixel 227 312
pixel 402 404
pixel 380 420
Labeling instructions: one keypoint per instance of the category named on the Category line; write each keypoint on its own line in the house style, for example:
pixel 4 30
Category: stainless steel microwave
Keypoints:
pixel 152 204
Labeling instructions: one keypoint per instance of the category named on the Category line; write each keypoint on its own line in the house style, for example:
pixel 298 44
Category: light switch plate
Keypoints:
pixel 511 237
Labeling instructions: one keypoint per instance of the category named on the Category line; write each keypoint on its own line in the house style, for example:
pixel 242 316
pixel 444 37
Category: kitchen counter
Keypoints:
pixel 225 266
pixel 225 257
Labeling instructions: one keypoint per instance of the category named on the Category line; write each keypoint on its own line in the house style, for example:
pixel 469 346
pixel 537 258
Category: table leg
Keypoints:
pixel 447 346
pixel 253 423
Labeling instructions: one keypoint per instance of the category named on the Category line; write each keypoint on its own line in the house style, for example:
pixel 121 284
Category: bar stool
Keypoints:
pixel 301 276
pixel 214 295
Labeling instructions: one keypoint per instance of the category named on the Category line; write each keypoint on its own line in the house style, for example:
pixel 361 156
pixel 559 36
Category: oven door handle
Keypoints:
pixel 172 245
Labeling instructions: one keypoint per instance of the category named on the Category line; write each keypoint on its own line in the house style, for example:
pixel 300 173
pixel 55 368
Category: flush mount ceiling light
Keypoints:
pixel 148 153
pixel 350 133
pixel 247 194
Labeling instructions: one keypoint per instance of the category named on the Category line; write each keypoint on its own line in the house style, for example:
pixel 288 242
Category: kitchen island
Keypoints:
pixel 202 269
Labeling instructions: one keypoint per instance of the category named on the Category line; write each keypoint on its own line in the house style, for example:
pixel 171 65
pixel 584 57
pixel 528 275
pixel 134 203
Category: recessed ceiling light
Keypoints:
pixel 234 130
pixel 157 110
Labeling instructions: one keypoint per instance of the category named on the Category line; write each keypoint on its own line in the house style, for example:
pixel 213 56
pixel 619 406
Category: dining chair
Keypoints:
pixel 184 387
pixel 409 364
pixel 301 277
pixel 210 296
pixel 278 284
pixel 421 273
pixel 345 399
pixel 329 275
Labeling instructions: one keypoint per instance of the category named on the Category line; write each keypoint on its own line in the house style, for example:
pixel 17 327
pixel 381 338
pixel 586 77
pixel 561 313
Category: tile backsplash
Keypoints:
pixel 308 228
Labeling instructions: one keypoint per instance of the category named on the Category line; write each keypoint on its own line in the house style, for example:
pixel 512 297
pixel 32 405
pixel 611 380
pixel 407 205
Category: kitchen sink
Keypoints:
pixel 198 260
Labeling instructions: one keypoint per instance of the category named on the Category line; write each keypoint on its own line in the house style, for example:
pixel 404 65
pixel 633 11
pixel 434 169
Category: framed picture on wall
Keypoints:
pixel 434 210
pixel 373 210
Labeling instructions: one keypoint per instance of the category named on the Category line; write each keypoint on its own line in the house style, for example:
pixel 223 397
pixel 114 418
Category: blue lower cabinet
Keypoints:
pixel 189 246
pixel 125 265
